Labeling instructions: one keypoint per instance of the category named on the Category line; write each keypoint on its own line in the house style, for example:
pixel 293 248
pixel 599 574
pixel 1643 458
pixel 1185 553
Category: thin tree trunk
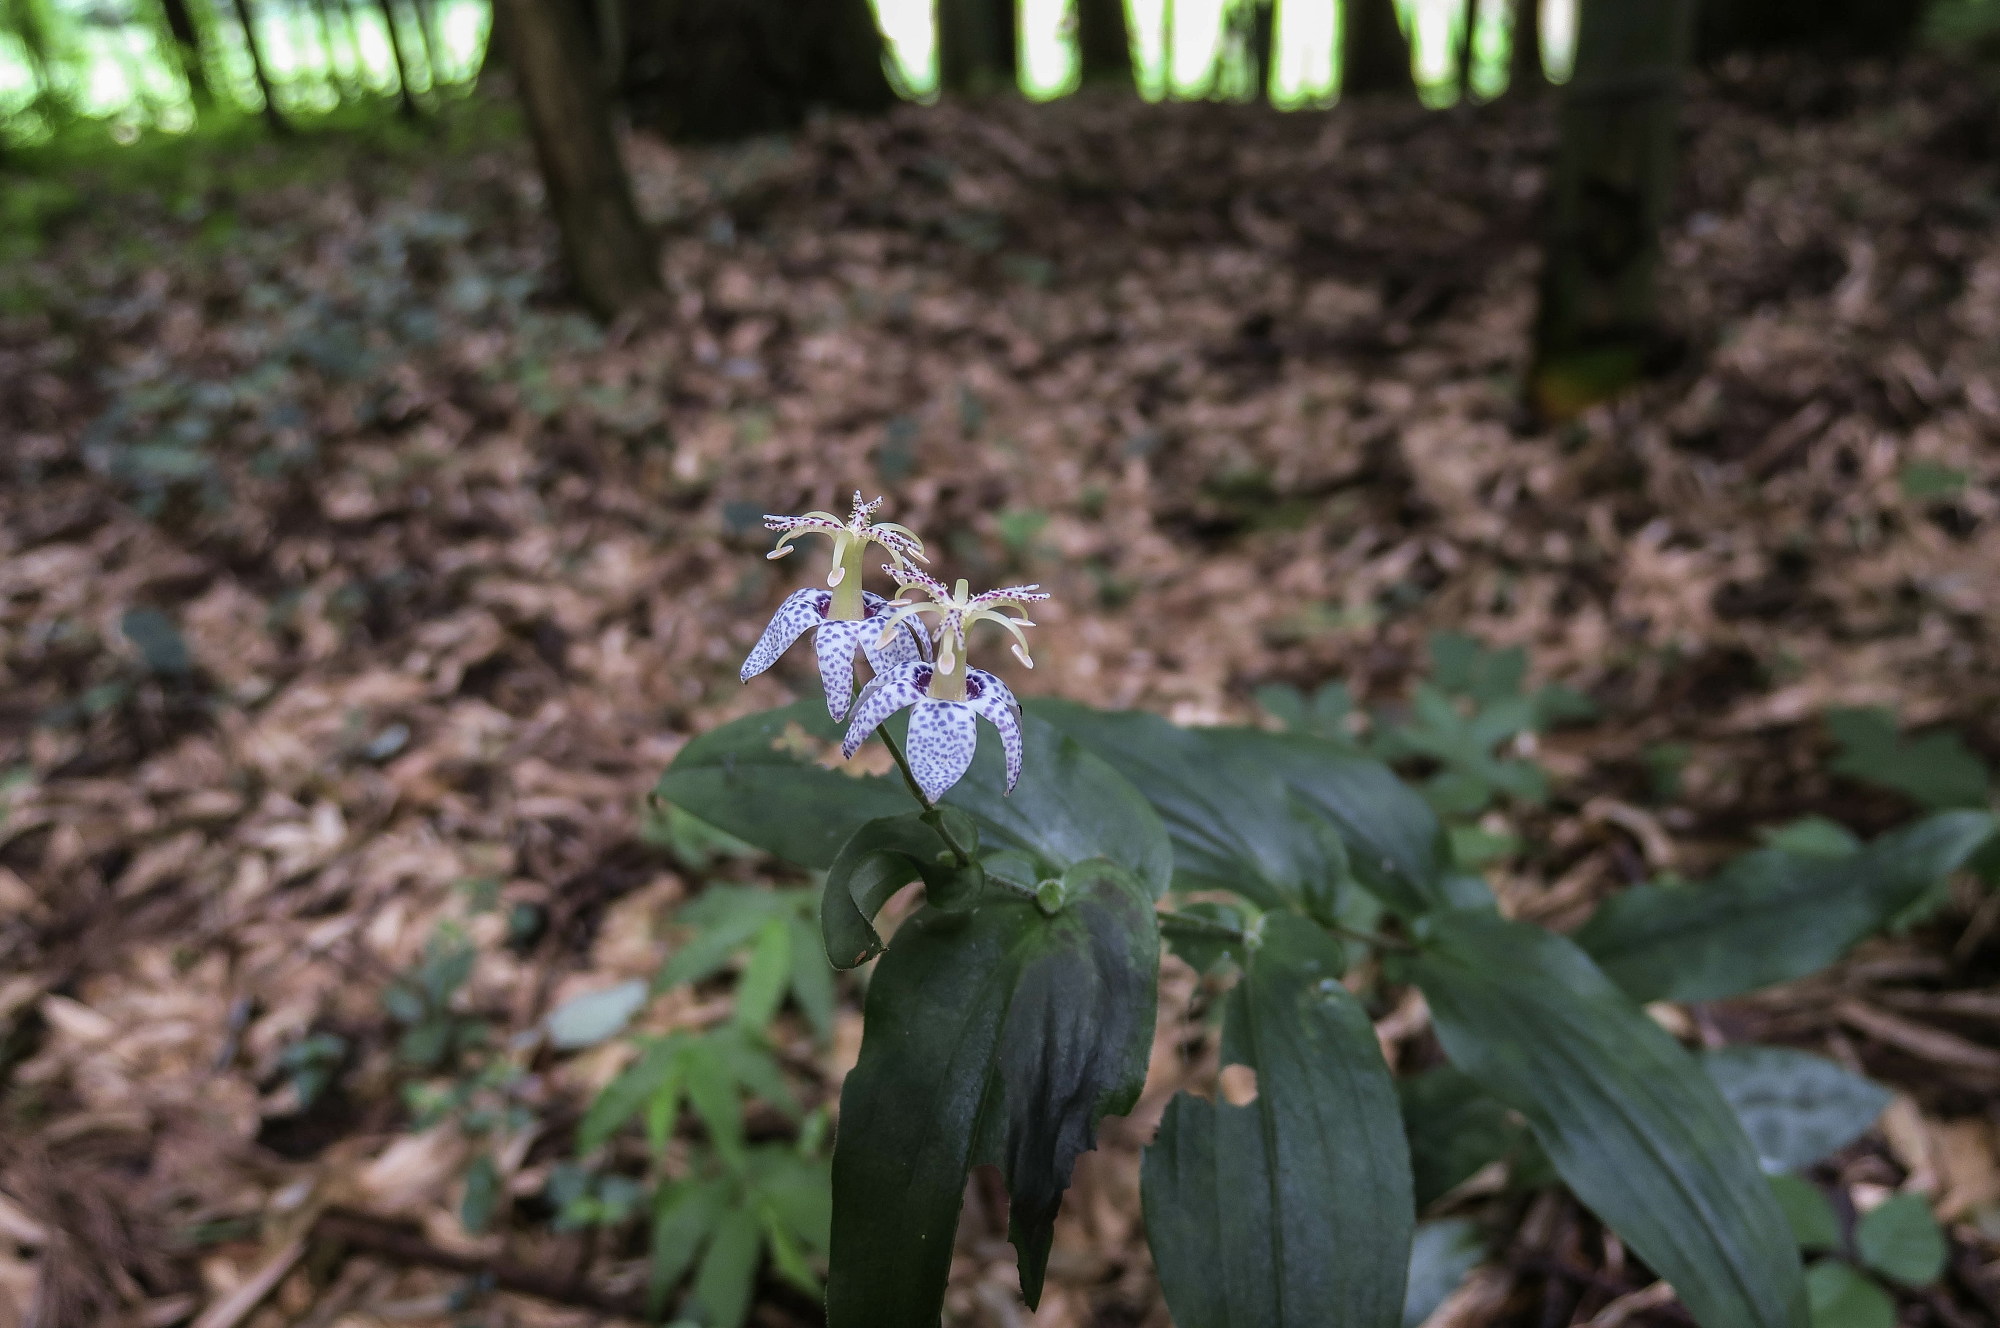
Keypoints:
pixel 340 76
pixel 1468 52
pixel 1104 42
pixel 1524 55
pixel 187 44
pixel 1263 64
pixel 978 47
pixel 1167 84
pixel 272 115
pixel 407 103
pixel 1375 55
pixel 609 254
pixel 1598 326
pixel 493 60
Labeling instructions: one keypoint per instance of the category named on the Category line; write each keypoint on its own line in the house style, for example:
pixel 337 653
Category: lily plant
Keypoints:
pixel 1014 1009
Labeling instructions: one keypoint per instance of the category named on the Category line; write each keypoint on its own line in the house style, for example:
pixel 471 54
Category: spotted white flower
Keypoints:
pixel 957 611
pixel 946 699
pixel 843 618
pixel 849 537
pixel 835 641
pixel 943 733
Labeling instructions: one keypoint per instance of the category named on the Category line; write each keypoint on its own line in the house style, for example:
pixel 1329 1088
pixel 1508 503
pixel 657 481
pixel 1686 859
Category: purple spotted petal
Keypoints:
pixel 943 735
pixel 906 646
pixel 835 644
pixel 990 697
pixel 801 610
pixel 883 697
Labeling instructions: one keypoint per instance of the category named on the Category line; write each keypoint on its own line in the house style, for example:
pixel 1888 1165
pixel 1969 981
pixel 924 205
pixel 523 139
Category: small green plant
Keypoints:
pixel 1014 1009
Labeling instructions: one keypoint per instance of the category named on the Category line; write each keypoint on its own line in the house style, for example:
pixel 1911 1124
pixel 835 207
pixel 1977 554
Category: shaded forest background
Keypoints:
pixel 385 443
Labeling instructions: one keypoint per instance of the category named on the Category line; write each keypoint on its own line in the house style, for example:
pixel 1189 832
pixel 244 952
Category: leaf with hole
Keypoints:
pixel 1294 1208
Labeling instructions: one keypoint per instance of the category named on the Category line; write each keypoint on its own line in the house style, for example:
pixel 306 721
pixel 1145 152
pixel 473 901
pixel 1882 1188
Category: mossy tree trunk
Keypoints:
pixel 1598 326
pixel 608 251
pixel 1374 53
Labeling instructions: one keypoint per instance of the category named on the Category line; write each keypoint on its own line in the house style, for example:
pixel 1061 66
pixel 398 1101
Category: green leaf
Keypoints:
pixel 586 1020
pixel 1900 1240
pixel 1442 1253
pixel 996 1035
pixel 1625 1113
pixel 1814 1224
pixel 759 779
pixel 1455 1127
pixel 1935 770
pixel 1229 817
pixel 1771 916
pixel 1844 1298
pixel 1813 837
pixel 765 976
pixel 482 1193
pixel 1796 1107
pixel 722 1287
pixel 1295 1208
pixel 722 918
pixel 812 980
pixel 683 1215
pixel 1069 807
pixel 711 1090
pixel 627 1095
pixel 1214 787
pixel 881 858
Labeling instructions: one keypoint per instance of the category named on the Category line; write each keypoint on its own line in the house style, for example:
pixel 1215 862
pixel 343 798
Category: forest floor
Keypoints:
pixel 351 585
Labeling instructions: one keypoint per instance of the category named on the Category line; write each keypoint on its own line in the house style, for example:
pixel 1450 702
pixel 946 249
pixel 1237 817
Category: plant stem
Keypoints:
pixel 889 741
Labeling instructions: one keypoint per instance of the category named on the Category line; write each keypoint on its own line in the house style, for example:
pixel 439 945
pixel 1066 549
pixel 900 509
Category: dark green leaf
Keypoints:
pixel 1069 807
pixel 812 980
pixel 1901 1240
pixel 882 857
pixel 1455 1127
pixel 1935 770
pixel 1813 1221
pixel 996 1035
pixel 1844 1298
pixel 761 779
pixel 1293 1209
pixel 1249 811
pixel 1442 1253
pixel 1624 1112
pixel 1771 916
pixel 722 918
pixel 1796 1107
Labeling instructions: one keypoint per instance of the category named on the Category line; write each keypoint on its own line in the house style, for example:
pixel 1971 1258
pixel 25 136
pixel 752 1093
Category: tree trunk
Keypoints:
pixel 1375 55
pixel 1263 65
pixel 427 35
pixel 715 70
pixel 274 117
pixel 978 46
pixel 406 97
pixel 1104 42
pixel 1468 52
pixel 1167 84
pixel 610 256
pixel 187 44
pixel 1598 326
pixel 1524 53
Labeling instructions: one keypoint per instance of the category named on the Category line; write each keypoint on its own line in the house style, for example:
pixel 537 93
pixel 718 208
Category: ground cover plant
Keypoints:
pixel 357 592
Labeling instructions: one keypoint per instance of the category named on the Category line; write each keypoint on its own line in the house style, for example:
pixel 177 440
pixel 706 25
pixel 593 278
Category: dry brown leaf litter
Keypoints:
pixel 458 573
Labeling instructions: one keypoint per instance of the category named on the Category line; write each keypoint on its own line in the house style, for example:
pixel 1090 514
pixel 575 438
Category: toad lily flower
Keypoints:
pixel 947 698
pixel 843 618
